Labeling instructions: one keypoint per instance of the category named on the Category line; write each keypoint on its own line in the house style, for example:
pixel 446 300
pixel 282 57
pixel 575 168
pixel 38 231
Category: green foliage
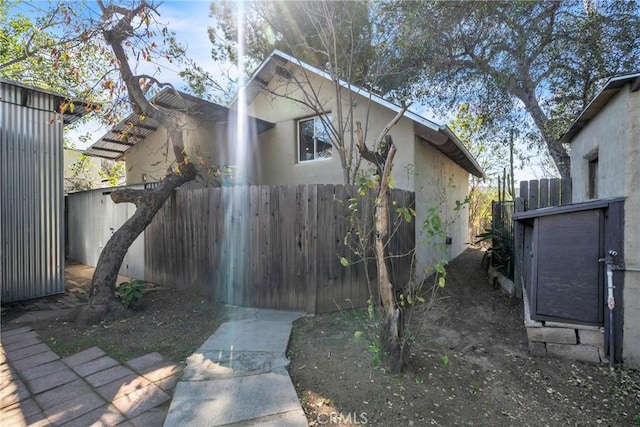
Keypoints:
pixel 318 33
pixel 419 293
pixel 486 140
pixel 444 361
pixel 52 46
pixel 480 199
pixel 370 331
pixel 501 250
pixel 528 66
pixel 112 172
pixel 131 292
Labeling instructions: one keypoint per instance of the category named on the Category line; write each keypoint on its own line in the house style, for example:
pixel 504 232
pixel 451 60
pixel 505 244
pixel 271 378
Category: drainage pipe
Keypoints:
pixel 611 303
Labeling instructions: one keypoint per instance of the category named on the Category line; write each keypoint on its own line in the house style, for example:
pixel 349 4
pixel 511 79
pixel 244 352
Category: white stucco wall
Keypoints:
pixel 440 183
pixel 615 132
pixel 206 144
pixel 278 150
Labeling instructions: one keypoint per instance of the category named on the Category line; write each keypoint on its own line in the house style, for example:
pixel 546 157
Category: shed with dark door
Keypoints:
pixel 563 272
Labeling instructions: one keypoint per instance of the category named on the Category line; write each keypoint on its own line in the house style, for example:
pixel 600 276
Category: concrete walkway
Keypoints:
pixel 37 388
pixel 239 377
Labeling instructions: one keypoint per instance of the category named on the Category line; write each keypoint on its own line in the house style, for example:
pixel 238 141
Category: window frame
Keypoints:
pixel 318 118
pixel 592 174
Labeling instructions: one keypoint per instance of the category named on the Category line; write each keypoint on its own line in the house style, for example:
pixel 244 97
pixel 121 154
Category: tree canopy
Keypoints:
pixel 335 35
pixel 530 65
pixel 49 45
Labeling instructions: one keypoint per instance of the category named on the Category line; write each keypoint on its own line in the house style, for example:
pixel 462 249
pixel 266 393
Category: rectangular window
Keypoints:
pixel 593 178
pixel 314 138
pixel 592 174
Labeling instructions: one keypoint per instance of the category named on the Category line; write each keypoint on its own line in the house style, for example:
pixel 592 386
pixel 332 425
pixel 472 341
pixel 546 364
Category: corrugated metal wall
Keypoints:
pixel 31 194
pixel 92 219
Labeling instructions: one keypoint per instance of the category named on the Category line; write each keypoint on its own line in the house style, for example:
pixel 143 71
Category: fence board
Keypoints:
pixel 544 193
pixel 566 191
pixel 554 192
pixel 524 193
pixel 534 195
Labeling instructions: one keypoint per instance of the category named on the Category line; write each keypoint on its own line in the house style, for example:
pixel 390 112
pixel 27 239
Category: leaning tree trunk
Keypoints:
pixel 392 330
pixel 119 27
pixel 102 299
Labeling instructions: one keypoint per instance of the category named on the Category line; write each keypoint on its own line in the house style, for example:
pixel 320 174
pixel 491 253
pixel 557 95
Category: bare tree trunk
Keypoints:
pixel 392 328
pixel 558 153
pixel 392 331
pixel 102 300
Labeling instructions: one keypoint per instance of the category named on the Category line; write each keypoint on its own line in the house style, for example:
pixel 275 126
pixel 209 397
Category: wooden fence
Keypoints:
pixel 544 193
pixel 267 246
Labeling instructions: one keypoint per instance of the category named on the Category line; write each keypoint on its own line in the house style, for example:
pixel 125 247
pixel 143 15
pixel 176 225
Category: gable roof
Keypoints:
pixel 440 136
pixel 80 107
pixel 610 89
pixel 127 133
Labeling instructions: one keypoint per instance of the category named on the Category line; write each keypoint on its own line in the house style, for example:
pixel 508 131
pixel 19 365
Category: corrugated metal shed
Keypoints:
pixel 134 129
pixel 31 191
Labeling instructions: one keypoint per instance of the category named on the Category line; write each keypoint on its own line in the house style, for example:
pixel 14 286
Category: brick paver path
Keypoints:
pixel 38 388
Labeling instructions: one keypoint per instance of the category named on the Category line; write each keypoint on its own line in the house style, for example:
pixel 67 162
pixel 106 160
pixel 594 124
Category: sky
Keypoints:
pixel 189 20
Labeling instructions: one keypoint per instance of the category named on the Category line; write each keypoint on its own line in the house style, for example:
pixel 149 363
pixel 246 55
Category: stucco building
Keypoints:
pixel 605 159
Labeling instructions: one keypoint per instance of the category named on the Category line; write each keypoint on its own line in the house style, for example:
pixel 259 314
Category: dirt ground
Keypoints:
pixel 489 380
pixel 172 323
pixel 488 377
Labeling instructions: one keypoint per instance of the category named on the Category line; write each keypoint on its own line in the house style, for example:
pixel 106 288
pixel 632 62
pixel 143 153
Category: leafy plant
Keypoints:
pixel 501 249
pixel 444 361
pixel 131 292
pixel 371 331
pixel 417 292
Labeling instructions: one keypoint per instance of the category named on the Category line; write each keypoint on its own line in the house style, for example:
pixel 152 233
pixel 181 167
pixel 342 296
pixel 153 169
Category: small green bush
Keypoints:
pixel 131 292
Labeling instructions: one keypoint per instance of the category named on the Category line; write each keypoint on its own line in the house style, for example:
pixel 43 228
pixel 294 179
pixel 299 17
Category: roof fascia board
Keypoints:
pixel 615 83
pixel 357 90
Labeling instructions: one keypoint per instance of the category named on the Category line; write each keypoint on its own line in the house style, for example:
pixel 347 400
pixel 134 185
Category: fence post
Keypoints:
pixel 518 249
pixel 565 192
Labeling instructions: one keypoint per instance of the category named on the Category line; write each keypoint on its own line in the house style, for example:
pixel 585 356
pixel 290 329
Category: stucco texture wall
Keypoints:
pixel 205 143
pixel 615 133
pixel 84 179
pixel 440 183
pixel 278 148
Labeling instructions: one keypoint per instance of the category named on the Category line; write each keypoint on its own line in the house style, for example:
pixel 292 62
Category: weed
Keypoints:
pixel 131 292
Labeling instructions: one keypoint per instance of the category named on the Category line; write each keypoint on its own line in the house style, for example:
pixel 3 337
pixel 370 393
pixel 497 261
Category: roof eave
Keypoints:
pixel 466 160
pixel 610 89
pixel 85 107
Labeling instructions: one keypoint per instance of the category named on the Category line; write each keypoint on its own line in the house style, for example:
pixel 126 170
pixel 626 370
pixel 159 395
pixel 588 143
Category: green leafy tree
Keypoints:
pixel 488 144
pixel 48 44
pixel 534 64
pixel 335 35
pixel 112 172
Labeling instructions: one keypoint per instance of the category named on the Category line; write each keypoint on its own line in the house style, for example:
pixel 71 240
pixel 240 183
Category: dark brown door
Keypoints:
pixel 567 275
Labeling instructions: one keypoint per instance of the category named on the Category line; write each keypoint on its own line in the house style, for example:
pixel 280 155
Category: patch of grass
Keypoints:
pixel 171 323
